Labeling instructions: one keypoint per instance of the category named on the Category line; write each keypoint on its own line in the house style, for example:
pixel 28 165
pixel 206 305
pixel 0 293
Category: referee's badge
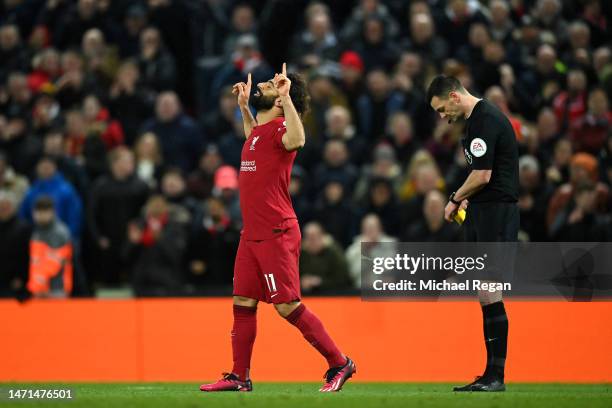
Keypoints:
pixel 478 147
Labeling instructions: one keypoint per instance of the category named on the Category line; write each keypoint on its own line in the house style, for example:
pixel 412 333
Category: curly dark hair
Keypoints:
pixel 299 93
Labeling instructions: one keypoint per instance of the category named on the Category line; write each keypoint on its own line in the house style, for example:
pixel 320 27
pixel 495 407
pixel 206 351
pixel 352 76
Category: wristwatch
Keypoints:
pixel 451 198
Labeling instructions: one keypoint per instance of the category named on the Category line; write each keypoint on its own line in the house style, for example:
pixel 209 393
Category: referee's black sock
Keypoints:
pixel 496 337
pixel 485 330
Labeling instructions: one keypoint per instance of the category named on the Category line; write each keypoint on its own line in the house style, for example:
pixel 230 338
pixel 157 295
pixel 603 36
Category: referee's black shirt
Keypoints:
pixel 490 144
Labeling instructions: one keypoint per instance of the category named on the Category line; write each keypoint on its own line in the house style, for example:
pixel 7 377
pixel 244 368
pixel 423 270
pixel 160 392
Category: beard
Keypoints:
pixel 262 102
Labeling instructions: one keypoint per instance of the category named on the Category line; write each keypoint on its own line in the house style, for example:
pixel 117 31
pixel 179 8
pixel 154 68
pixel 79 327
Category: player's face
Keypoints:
pixel 448 108
pixel 265 96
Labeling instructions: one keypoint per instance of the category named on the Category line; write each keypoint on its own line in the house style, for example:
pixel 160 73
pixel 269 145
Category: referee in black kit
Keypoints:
pixel 492 189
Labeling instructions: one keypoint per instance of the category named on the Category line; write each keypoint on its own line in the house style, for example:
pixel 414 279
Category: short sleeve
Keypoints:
pixel 482 144
pixel 278 135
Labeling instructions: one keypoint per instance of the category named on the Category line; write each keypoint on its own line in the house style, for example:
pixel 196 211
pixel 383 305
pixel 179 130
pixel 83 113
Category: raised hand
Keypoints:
pixel 281 82
pixel 243 91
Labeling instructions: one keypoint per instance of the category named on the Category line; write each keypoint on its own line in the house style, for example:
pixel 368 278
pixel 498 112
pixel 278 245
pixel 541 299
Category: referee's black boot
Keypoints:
pixel 485 383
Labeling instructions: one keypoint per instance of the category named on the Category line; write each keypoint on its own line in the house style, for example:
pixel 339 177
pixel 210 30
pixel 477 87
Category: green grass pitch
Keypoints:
pixel 297 395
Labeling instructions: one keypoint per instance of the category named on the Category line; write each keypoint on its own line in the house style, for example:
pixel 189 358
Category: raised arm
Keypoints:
pixel 295 137
pixel 243 92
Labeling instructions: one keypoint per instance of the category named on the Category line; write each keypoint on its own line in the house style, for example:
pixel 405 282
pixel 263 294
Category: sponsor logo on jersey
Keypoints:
pixel 248 165
pixel 478 147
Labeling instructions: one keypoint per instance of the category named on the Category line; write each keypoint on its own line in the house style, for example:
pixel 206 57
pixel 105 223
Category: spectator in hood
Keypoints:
pixel 134 22
pixel 67 203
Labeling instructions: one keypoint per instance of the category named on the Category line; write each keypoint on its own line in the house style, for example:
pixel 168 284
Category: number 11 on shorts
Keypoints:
pixel 270 282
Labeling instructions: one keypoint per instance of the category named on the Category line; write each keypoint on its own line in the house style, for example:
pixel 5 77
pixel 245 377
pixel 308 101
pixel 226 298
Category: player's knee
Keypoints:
pixel 285 309
pixel 245 301
pixel 488 297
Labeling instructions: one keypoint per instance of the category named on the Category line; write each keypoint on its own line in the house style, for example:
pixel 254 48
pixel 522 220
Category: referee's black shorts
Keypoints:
pixel 492 222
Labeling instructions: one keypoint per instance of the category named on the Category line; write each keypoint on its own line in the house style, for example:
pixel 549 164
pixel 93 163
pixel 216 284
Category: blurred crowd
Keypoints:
pixel 120 139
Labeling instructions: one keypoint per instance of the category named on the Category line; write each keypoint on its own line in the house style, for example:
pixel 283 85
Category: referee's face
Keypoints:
pixel 448 108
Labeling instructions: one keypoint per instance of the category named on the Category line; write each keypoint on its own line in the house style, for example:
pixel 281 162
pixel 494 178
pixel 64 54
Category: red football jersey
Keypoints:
pixel 265 172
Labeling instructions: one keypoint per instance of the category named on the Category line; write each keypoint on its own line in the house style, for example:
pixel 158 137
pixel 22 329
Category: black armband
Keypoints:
pixel 451 198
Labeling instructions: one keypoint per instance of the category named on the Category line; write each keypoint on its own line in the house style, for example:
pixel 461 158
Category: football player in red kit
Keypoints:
pixel 266 267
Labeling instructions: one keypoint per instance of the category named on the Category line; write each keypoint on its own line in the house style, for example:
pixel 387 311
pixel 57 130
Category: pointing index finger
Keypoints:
pixel 249 80
pixel 284 68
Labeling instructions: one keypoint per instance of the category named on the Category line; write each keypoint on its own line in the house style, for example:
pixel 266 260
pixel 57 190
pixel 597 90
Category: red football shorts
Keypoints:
pixel 268 270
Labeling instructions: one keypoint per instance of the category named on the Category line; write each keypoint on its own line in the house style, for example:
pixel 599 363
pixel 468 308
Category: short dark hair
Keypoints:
pixel 48 158
pixel 44 203
pixel 442 85
pixel 299 93
pixel 174 171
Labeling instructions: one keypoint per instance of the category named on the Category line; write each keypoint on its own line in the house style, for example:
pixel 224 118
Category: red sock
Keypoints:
pixel 243 338
pixel 312 329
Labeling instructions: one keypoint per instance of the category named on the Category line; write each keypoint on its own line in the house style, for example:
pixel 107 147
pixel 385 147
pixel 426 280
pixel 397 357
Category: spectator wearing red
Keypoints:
pixel 571 105
pixel 590 132
pixel 496 95
pixel 99 122
pixel 47 69
pixel 158 242
pixel 226 188
pixel 213 246
pixel 351 78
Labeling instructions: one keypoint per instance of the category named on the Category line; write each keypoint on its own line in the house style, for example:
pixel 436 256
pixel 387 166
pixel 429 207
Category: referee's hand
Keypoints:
pixel 452 208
